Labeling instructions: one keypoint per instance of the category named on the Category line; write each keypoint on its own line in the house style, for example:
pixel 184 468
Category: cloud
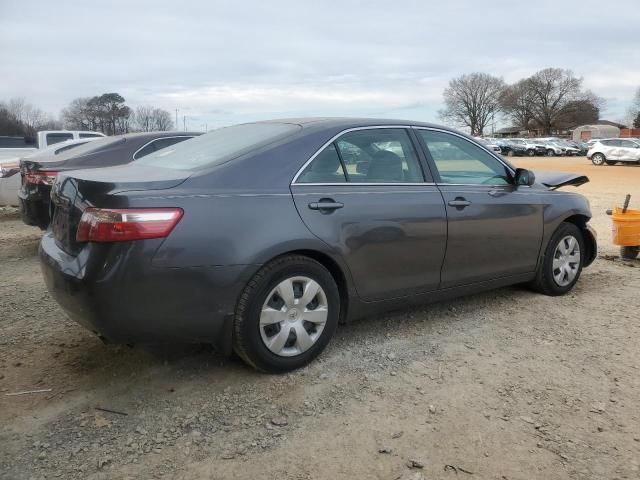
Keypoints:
pixel 221 62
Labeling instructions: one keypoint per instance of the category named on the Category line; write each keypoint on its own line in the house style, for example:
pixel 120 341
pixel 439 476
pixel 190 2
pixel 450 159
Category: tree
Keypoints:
pixel 636 121
pixel 150 119
pixel 579 112
pixel 106 113
pixel 553 90
pixel 516 102
pixel 472 100
pixel 19 118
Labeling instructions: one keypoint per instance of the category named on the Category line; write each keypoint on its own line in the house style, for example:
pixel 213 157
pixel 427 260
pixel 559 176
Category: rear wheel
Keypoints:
pixel 629 253
pixel 562 263
pixel 286 315
pixel 510 153
pixel 531 153
pixel 598 159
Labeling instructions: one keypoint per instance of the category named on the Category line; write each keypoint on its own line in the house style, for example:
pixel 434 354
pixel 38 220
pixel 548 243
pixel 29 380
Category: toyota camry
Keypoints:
pixel 263 237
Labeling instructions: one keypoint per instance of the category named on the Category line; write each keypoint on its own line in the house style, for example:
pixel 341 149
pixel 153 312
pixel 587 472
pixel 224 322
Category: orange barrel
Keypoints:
pixel 626 227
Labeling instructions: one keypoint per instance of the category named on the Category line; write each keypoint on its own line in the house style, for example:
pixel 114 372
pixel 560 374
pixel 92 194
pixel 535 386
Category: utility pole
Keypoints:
pixel 184 123
pixel 177 119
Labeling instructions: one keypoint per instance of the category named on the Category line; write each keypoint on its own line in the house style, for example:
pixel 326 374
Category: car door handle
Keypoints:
pixel 459 202
pixel 325 205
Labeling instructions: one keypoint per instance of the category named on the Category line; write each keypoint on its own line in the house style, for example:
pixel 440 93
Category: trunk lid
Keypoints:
pixel 75 191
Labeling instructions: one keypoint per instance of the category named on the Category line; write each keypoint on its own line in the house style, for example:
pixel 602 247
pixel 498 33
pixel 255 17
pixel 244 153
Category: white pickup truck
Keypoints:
pixel 19 146
pixel 12 149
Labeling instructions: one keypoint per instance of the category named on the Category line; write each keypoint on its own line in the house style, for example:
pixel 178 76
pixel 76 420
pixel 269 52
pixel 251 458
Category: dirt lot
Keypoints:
pixel 503 385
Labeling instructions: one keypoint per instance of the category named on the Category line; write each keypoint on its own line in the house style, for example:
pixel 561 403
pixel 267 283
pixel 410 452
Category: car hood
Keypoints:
pixel 555 180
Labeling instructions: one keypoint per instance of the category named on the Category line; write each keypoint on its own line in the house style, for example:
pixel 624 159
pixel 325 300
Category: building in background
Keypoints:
pixel 601 129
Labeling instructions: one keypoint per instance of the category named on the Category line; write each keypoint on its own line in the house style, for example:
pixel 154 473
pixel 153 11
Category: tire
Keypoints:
pixel 287 352
pixel 610 162
pixel 546 281
pixel 531 153
pixel 629 253
pixel 598 159
pixel 550 153
pixel 510 153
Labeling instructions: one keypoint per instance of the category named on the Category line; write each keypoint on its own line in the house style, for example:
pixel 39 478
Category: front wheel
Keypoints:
pixel 598 159
pixel 531 153
pixel 550 153
pixel 561 265
pixel 629 253
pixel 286 314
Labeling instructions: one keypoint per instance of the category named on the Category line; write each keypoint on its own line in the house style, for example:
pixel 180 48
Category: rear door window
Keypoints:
pixel 372 156
pixel 90 135
pixel 325 168
pixel 53 138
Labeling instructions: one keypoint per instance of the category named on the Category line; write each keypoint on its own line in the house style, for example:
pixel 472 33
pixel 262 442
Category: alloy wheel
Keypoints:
pixel 293 316
pixel 566 261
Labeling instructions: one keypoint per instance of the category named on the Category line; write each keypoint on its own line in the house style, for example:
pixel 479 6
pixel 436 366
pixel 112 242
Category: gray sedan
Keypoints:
pixel 263 237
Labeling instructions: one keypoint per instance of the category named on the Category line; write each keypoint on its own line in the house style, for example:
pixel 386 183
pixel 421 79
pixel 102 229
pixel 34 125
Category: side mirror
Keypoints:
pixel 525 177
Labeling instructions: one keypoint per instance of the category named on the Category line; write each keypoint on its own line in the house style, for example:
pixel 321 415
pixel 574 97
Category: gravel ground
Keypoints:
pixel 503 385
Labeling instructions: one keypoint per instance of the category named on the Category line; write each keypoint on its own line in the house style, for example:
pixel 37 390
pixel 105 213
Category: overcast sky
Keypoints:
pixel 221 62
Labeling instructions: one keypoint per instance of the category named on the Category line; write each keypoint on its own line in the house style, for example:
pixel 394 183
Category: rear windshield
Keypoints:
pixel 91 146
pixel 219 146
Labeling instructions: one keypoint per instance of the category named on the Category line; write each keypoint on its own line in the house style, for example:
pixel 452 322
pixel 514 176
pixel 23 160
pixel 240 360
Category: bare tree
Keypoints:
pixel 22 118
pixel 150 119
pixel 516 103
pixel 633 114
pixel 163 120
pixel 16 108
pixel 471 100
pixel 552 90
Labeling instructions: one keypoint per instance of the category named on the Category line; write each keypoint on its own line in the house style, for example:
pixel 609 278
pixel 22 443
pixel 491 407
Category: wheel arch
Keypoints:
pixel 589 235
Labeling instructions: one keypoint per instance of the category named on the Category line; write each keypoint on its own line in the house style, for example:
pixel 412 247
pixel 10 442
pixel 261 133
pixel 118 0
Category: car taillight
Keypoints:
pixel 41 177
pixel 123 225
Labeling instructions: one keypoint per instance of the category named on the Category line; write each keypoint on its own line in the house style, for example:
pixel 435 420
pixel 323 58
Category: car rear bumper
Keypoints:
pixel 112 290
pixel 34 211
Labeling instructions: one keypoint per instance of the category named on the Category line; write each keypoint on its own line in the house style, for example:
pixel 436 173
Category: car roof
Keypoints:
pixel 350 122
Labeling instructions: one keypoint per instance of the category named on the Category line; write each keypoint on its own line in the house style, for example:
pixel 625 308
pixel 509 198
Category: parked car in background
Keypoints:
pixel 11 147
pixel 532 148
pixel 10 168
pixel 40 173
pixel 614 150
pixel 511 149
pixel 490 144
pixel 264 236
pixel 551 147
pixel 581 147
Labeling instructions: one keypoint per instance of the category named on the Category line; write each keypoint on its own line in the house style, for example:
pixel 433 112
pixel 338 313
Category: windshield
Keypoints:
pixel 219 146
